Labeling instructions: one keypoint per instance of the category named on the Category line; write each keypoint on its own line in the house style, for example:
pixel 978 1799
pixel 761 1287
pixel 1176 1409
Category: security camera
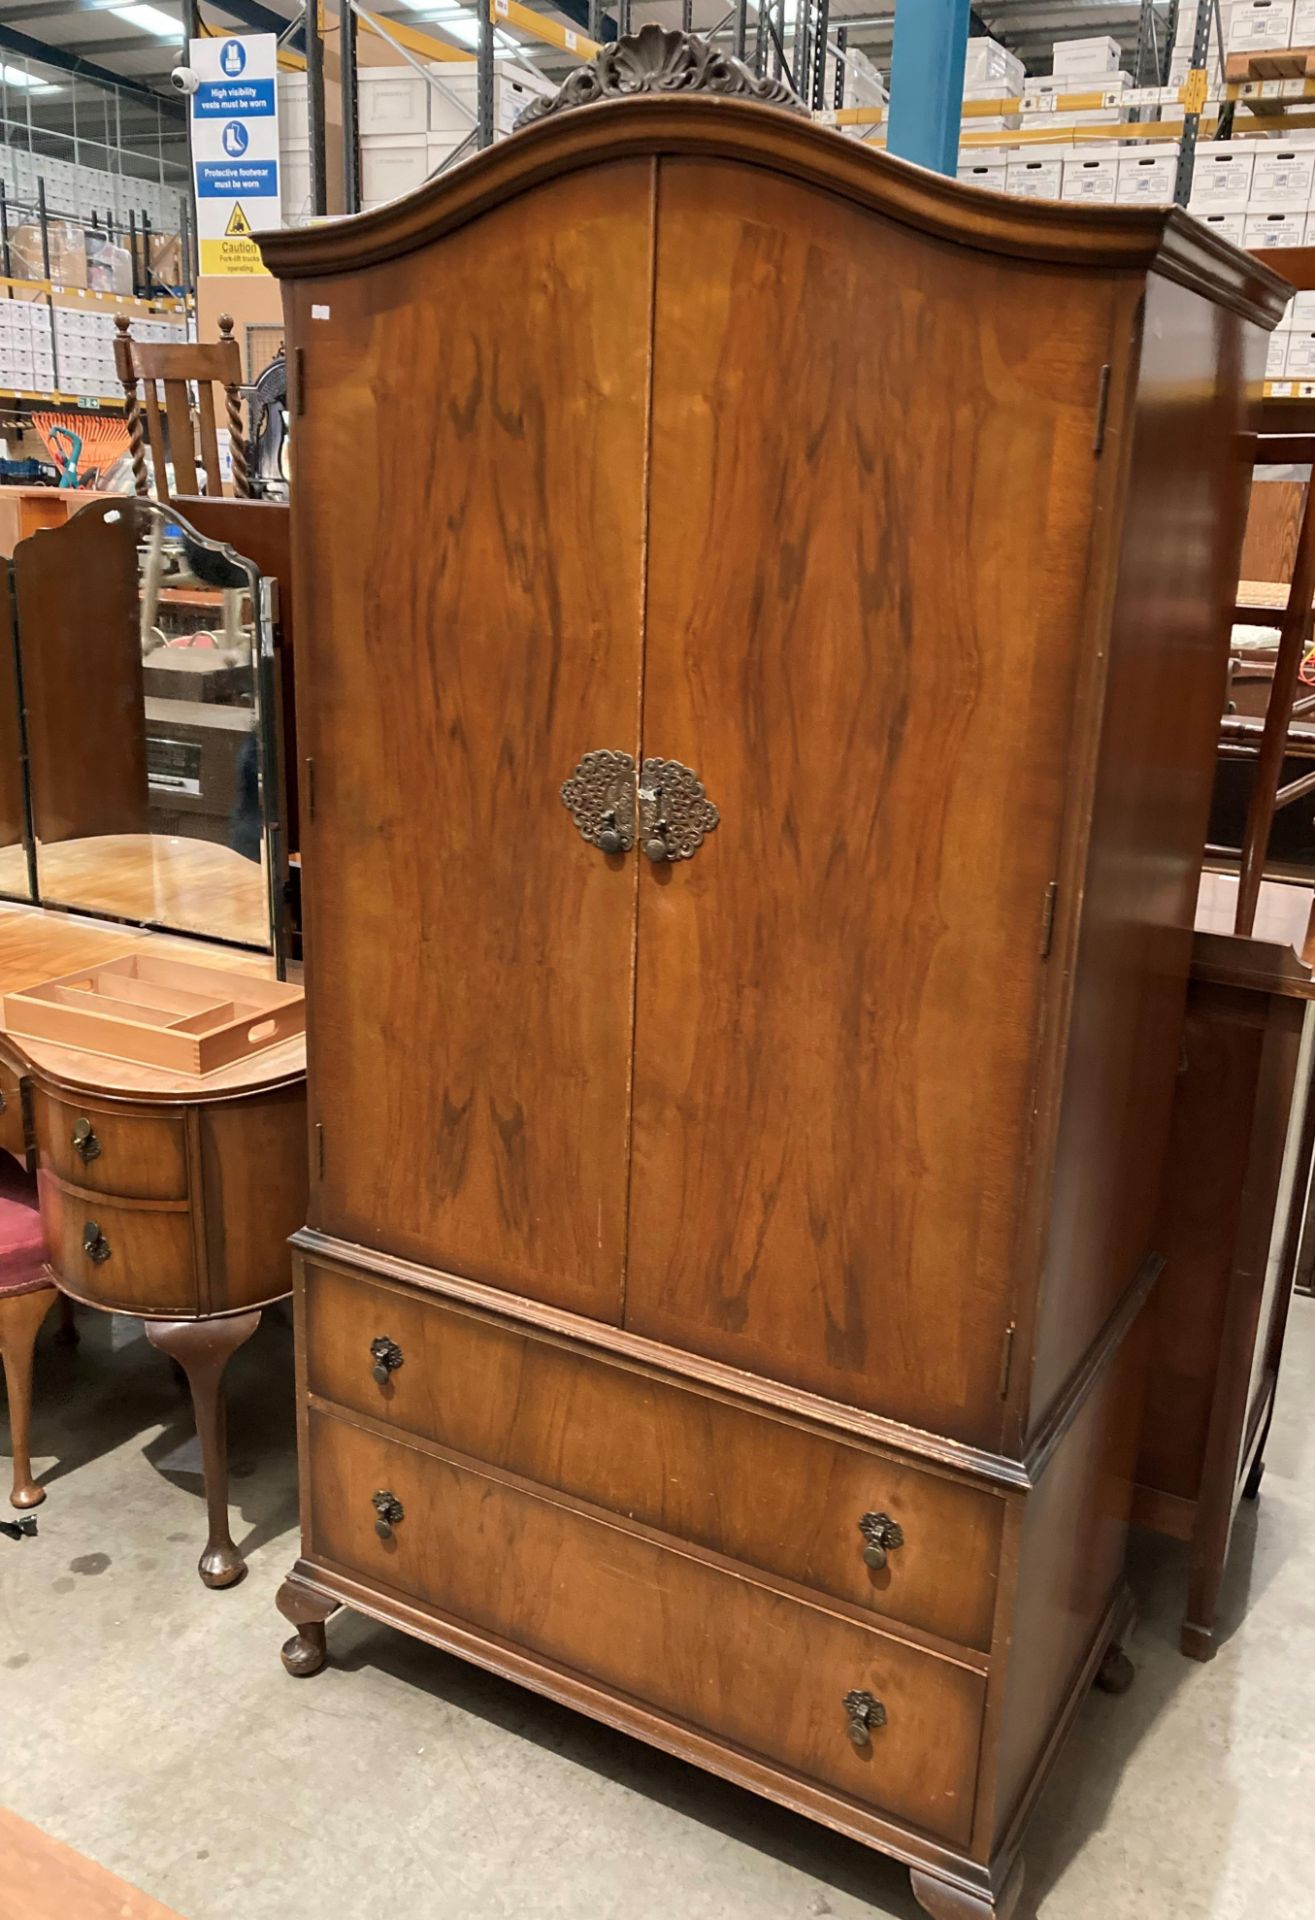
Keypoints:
pixel 183 80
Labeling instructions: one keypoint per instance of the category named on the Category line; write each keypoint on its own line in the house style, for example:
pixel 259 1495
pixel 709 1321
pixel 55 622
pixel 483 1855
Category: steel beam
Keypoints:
pixel 28 48
pixel 926 82
pixel 351 141
pixel 314 41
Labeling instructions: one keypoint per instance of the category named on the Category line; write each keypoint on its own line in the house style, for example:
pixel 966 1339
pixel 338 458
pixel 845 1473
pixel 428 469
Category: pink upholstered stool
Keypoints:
pixel 26 1297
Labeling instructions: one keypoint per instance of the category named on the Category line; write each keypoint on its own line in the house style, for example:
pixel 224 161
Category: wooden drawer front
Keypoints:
pixel 13 1138
pixel 148 1264
pixel 133 1155
pixel 716 1650
pixel 745 1484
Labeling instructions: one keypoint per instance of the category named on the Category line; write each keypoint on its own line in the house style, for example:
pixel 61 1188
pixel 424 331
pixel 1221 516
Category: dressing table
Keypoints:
pixel 163 1194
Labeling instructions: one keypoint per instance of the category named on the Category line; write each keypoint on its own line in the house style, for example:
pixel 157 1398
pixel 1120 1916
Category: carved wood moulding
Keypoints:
pixel 659 60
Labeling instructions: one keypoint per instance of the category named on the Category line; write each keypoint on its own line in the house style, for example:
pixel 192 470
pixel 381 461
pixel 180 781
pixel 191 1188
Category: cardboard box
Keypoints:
pixel 392 100
pixel 1284 174
pixel 988 62
pixel 1276 356
pixel 1257 25
pixel 1299 362
pixel 1229 226
pixel 1221 179
pixel 1036 173
pixel 1086 57
pixel 984 167
pixel 1303 24
pixel 1147 174
pixel 1266 230
pixel 392 165
pixel 1300 315
pixel 1091 177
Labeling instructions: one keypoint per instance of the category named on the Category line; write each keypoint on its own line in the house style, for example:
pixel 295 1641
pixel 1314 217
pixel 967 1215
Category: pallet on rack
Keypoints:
pixel 1287 63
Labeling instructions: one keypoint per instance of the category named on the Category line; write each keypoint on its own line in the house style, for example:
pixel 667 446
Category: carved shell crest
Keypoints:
pixel 659 60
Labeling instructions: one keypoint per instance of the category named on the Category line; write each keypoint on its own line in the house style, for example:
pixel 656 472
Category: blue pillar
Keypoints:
pixel 926 81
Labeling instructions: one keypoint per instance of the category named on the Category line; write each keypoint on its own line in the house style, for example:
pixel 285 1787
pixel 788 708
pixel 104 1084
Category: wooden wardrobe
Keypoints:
pixel 763 615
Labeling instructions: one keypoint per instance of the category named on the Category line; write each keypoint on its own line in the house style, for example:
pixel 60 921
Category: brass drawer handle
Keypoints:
pixel 94 1244
pixel 388 1511
pixel 85 1143
pixel 881 1536
pixel 387 1357
pixel 864 1712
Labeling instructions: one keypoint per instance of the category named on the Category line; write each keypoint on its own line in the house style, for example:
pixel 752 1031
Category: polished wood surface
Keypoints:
pixel 165 377
pixel 507 1158
pixel 14 877
pixel 693 1464
pixel 40 1879
pixel 135 1157
pixel 77 600
pixel 805 1144
pixel 635 1614
pixel 144 1259
pixel 203 1348
pixel 21 1315
pixel 28 510
pixel 160 880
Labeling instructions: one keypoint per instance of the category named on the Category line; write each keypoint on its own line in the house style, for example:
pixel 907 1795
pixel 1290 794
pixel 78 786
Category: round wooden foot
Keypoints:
pixel 1116 1672
pixel 221 1566
pixel 28 1495
pixel 305 1653
pixel 1198 1643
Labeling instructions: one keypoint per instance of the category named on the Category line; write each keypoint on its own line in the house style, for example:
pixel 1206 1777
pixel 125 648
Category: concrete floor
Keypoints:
pixel 148 1722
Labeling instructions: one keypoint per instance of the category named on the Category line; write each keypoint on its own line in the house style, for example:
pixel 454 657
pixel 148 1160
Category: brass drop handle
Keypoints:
pixel 387 1357
pixel 881 1535
pixel 94 1244
pixel 388 1511
pixel 865 1713
pixel 85 1143
pixel 609 834
pixel 656 846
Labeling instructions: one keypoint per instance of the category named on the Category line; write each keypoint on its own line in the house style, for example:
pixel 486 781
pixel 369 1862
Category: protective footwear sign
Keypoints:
pixel 235 148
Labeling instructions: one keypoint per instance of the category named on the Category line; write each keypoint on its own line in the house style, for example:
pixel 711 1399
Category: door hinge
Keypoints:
pixel 319 1149
pixel 1102 411
pixel 1006 1360
pixel 1048 918
pixel 299 380
pixel 310 788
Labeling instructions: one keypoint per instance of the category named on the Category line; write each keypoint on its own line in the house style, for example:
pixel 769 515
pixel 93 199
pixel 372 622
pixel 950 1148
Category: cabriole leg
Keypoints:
pixel 307 1650
pixel 203 1348
pixel 21 1315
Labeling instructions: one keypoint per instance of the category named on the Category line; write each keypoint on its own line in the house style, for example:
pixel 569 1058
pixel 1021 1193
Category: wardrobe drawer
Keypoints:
pixel 706 1645
pixel 747 1484
pixel 115 1254
pixel 133 1155
pixel 13 1135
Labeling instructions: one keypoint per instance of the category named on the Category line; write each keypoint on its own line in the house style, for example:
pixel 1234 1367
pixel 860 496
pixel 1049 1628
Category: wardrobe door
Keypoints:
pixel 469 522
pixel 872 479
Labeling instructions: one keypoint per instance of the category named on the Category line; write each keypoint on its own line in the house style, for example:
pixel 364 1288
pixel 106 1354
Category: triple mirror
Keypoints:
pixel 139 764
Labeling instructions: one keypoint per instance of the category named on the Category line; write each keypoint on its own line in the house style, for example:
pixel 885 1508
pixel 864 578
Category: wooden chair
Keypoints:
pixel 144 368
pixel 1295 625
pixel 26 1296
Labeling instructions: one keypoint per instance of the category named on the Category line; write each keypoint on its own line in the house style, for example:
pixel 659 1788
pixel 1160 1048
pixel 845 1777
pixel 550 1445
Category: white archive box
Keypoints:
pixel 1300 316
pixel 987 62
pixel 391 164
pixel 1092 56
pixel 1221 178
pixel 1299 360
pixel 1254 25
pixel 1036 173
pixel 1303 24
pixel 1265 230
pixel 1091 176
pixel 1147 174
pixel 1284 174
pixel 393 100
pixel 983 167
pixel 1229 226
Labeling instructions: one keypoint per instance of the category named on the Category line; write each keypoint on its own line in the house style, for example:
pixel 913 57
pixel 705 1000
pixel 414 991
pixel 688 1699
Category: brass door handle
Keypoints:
pixel 388 1511
pixel 674 811
pixel 865 1713
pixel 85 1143
pixel 387 1357
pixel 600 798
pixel 881 1536
pixel 94 1244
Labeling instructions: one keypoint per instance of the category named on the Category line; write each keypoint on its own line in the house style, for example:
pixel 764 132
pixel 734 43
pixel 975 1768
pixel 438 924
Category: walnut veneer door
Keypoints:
pixel 872 483
pixel 469 567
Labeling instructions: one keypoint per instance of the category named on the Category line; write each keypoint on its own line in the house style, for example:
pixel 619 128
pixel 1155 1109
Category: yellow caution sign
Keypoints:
pixel 238 224
pixel 235 253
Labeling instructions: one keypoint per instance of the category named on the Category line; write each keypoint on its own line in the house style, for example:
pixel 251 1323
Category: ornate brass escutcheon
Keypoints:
pixel 600 798
pixel 388 1511
pixel 85 1143
pixel 881 1535
pixel 674 811
pixel 387 1357
pixel 865 1712
pixel 94 1244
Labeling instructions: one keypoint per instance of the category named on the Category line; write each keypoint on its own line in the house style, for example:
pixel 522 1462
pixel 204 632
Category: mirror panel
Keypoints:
pixel 16 867
pixel 146 673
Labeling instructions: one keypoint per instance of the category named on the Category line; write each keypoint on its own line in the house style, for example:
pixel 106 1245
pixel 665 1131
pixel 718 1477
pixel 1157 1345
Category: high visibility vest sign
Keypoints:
pixel 235 149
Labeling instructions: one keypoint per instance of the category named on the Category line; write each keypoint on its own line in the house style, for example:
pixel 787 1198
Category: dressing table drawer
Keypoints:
pixel 111 1253
pixel 119 1151
pixel 770 1674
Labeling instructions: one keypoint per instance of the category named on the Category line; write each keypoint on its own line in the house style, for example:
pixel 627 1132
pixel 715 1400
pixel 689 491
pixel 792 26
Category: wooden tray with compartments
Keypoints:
pixel 160 1013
